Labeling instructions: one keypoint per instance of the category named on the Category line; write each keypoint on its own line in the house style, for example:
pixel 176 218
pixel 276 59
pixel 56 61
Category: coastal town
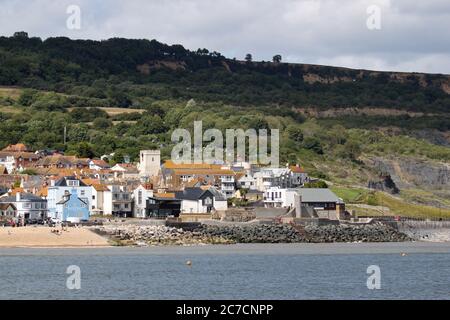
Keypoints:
pixel 174 203
pixel 48 185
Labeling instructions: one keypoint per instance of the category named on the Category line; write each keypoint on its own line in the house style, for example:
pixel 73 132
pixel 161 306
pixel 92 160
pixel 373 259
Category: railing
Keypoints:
pixel 405 219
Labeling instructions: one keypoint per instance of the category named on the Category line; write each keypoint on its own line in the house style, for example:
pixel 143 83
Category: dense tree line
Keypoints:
pixel 106 73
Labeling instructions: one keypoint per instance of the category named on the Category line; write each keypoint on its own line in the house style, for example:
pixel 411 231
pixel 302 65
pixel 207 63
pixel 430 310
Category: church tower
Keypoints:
pixel 150 163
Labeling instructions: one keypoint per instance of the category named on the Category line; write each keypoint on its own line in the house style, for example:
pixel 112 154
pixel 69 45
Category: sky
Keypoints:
pixel 393 35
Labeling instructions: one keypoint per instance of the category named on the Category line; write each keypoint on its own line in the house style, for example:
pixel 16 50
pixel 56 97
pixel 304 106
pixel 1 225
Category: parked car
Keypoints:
pixel 7 223
pixel 30 221
pixel 53 222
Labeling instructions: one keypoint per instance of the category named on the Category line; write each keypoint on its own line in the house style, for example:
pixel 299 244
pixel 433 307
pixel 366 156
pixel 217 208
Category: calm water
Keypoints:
pixel 301 271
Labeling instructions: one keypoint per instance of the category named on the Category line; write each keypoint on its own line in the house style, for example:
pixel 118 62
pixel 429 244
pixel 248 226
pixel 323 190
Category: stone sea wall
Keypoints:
pixel 255 233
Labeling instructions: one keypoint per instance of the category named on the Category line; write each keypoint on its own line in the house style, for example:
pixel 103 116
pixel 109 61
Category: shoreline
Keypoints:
pixel 40 237
pixel 402 249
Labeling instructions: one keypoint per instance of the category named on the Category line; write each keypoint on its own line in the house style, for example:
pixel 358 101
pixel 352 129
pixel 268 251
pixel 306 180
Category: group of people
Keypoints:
pixel 59 232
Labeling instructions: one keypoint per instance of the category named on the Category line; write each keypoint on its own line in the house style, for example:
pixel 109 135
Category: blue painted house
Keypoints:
pixel 71 208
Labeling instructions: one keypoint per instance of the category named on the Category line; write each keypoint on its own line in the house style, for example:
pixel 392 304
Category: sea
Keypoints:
pixel 355 271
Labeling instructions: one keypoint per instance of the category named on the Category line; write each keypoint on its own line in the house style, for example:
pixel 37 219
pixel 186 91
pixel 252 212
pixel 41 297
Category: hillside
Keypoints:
pixel 124 71
pixel 345 126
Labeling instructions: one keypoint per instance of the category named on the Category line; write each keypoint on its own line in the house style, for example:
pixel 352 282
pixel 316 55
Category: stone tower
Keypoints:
pixel 150 163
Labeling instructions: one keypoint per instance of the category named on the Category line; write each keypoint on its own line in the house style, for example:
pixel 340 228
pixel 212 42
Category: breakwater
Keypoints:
pixel 254 233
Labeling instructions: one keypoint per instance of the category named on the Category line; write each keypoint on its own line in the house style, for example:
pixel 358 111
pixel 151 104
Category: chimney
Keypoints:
pixel 18 196
pixel 52 183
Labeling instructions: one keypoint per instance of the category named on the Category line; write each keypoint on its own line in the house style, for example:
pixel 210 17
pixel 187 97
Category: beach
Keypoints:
pixel 40 236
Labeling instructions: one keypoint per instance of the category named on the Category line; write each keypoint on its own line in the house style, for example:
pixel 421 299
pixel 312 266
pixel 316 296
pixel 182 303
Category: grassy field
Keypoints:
pixel 402 208
pixel 10 109
pixel 10 92
pixel 397 206
pixel 350 195
pixel 14 93
pixel 116 111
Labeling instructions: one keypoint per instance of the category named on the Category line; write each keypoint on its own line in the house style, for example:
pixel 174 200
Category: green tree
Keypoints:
pixel 102 123
pixel 27 97
pixel 276 58
pixel 82 150
pixel 295 133
pixel 312 143
pixel 320 184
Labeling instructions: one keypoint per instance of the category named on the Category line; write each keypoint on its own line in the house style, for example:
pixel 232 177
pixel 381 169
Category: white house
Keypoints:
pixel 8 161
pixel 27 205
pixel 323 201
pixel 272 177
pixel 298 176
pixel 140 196
pixel 101 200
pixel 198 200
pixel 247 181
pixel 227 185
pixel 57 191
pixel 125 171
pixel 121 200
pixel 97 164
pixel 276 197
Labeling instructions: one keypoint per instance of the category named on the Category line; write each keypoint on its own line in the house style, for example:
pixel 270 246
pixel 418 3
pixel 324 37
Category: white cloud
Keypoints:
pixel 414 35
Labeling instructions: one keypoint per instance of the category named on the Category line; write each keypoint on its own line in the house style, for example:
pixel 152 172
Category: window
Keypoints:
pixel 73 183
pixel 83 192
pixel 140 197
pixel 27 205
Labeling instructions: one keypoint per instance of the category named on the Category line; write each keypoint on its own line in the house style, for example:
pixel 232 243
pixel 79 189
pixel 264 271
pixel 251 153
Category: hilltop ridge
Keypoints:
pixel 143 68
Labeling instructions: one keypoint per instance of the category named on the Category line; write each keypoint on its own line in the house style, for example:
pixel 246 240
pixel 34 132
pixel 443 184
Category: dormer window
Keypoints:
pixel 73 183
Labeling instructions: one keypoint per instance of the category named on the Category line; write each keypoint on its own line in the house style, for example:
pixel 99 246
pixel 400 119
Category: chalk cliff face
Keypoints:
pixel 412 172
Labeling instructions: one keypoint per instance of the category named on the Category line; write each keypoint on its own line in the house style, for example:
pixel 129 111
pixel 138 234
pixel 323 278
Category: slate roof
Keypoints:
pixel 190 194
pixel 318 195
pixel 219 196
pixel 63 182
pixel 23 197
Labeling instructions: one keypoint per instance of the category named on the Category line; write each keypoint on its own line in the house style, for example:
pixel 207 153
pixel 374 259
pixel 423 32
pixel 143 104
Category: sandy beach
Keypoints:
pixel 39 236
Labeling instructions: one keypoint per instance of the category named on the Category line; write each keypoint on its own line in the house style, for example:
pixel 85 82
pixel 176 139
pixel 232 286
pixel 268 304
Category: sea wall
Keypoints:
pixel 428 230
pixel 250 233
